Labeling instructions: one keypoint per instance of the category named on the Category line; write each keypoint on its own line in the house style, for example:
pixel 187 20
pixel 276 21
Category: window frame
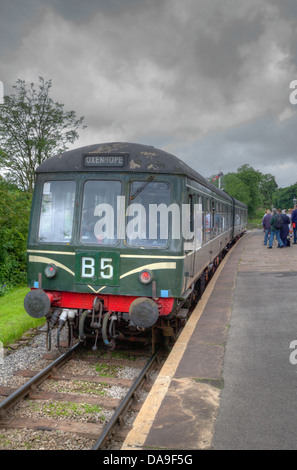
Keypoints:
pixel 79 226
pixel 129 192
pixel 55 242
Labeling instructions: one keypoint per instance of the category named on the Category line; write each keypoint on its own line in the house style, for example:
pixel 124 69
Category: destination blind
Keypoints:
pixel 105 160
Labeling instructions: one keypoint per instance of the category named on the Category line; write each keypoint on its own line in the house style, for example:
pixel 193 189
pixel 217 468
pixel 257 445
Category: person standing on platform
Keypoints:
pixel 284 232
pixel 294 223
pixel 290 226
pixel 276 223
pixel 266 225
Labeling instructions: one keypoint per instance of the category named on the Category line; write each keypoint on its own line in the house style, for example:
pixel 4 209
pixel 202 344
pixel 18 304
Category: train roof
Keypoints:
pixel 122 157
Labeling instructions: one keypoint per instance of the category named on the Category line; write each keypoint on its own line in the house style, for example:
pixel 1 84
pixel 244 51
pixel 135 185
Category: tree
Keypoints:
pixel 14 215
pixel 283 197
pixel 251 187
pixel 251 178
pixel 33 128
pixel 267 187
pixel 236 188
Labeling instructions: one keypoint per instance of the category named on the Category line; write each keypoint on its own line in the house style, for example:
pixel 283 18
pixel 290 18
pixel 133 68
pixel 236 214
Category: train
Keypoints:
pixel 122 240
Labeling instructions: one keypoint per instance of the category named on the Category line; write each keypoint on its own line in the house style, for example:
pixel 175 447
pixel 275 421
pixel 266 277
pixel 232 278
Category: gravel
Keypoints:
pixel 42 440
pixel 23 358
pixel 30 356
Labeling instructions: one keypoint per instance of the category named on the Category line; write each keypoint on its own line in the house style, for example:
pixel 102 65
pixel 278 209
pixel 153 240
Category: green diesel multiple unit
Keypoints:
pixel 121 236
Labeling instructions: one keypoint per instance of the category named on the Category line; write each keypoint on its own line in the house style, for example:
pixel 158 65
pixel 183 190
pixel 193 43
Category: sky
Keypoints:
pixel 206 80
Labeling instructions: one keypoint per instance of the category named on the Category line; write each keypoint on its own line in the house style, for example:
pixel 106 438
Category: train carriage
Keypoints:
pixel 120 236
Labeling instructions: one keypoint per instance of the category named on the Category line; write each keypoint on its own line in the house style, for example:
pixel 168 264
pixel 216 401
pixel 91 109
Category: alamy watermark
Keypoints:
pixel 293 94
pixel 293 355
pixel 152 222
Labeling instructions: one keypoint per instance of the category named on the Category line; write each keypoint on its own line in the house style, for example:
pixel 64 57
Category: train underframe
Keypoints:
pixel 143 324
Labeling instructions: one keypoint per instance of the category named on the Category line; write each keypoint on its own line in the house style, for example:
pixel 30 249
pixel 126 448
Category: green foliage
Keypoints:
pixel 251 187
pixel 236 188
pixel 251 178
pixel 283 197
pixel 14 222
pixel 267 187
pixel 33 128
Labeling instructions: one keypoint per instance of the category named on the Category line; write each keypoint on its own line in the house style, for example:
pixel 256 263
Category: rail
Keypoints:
pixel 115 421
pixel 25 389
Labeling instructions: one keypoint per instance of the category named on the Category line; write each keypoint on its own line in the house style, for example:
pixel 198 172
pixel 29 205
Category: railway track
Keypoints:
pixel 98 419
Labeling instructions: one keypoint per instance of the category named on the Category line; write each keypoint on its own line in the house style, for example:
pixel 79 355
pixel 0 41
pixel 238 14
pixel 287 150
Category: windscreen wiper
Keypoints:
pixel 141 188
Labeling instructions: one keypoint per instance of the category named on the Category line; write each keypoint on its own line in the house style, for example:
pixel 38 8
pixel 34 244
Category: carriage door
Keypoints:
pixel 212 218
pixel 189 241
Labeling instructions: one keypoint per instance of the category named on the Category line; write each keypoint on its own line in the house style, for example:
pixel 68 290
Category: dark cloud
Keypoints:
pixel 206 80
pixel 78 11
pixel 15 19
pixel 287 9
pixel 267 144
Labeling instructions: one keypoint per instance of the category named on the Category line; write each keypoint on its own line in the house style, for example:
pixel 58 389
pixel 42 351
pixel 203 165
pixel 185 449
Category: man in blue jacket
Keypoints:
pixel 294 223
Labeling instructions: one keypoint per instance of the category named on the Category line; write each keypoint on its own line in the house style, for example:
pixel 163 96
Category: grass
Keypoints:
pixel 14 321
pixel 107 370
pixel 68 409
pixel 256 220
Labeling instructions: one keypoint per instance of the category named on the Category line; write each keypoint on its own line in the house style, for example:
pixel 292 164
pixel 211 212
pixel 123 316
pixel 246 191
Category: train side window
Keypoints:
pixel 191 203
pixel 237 217
pixel 223 217
pixel 198 221
pixel 208 221
pixel 203 211
pixel 216 219
pixel 230 221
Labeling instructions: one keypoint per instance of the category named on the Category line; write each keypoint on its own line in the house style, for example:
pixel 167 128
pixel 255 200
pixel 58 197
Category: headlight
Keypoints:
pixel 50 270
pixel 145 276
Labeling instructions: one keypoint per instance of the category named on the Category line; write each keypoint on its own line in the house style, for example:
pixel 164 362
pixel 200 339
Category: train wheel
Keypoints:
pixel 111 343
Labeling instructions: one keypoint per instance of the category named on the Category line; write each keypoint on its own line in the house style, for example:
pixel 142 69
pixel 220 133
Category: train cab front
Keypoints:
pixel 97 264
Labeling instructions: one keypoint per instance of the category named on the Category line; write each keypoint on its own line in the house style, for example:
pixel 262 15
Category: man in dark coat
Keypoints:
pixel 285 228
pixel 275 227
pixel 294 223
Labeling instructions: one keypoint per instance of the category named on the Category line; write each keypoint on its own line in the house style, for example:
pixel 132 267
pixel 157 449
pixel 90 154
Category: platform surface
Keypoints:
pixel 229 382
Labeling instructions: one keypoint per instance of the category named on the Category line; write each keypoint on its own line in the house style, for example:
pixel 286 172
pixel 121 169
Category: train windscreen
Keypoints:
pixel 57 210
pixel 148 214
pixel 99 212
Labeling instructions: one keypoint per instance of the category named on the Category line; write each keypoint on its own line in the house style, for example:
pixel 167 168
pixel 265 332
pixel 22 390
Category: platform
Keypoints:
pixel 230 381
